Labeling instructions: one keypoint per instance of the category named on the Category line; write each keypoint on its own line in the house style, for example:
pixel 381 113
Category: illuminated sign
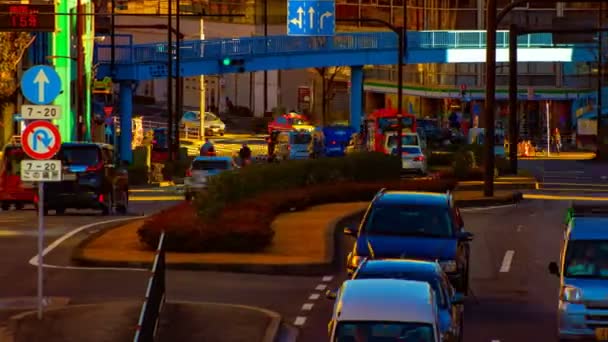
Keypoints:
pixel 27 18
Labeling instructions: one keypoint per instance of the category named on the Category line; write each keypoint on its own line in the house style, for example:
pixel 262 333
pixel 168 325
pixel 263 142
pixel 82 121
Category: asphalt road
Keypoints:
pixel 518 304
pixel 569 176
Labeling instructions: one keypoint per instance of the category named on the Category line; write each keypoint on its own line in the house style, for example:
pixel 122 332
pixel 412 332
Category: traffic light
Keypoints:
pixel 239 63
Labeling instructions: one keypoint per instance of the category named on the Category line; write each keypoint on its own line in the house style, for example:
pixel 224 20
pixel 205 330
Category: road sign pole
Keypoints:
pixel 40 246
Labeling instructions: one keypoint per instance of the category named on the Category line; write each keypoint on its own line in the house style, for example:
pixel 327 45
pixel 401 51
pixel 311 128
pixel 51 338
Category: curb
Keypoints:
pixel 271 332
pixel 498 186
pixel 332 238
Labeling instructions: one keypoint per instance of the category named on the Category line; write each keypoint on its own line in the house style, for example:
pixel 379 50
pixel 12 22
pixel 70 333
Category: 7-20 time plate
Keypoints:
pixel 40 170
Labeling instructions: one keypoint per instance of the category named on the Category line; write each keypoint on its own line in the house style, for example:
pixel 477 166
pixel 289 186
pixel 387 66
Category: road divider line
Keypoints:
pixel 53 245
pixel 327 279
pixel 321 287
pixel 506 261
pixel 307 306
pixel 464 210
pixel 299 321
pixel 314 296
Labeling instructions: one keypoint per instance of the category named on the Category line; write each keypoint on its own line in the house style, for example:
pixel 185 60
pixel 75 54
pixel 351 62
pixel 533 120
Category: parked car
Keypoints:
pixel 412 152
pixel 414 225
pixel 583 275
pixel 294 145
pixel 385 309
pixel 91 179
pixel 451 323
pixel 12 190
pixel 201 169
pixel 213 124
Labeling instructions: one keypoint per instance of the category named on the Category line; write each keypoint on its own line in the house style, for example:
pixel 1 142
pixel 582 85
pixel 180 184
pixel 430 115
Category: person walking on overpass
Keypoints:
pixel 207 149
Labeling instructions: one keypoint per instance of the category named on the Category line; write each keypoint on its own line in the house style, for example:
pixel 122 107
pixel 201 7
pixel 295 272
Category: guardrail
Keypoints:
pixel 147 325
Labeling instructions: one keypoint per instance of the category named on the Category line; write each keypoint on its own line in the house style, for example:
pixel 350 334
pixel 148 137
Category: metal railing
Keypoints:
pixel 147 325
pixel 215 49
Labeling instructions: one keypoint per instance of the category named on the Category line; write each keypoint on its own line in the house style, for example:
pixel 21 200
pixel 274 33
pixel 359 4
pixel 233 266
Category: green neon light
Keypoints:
pixel 227 61
pixel 61 47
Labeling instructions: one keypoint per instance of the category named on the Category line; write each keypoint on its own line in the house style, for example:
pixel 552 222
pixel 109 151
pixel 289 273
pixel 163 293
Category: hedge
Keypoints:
pixel 235 186
pixel 245 226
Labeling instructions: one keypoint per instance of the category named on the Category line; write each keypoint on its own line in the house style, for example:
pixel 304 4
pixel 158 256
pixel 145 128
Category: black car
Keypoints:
pixel 91 180
pixel 414 225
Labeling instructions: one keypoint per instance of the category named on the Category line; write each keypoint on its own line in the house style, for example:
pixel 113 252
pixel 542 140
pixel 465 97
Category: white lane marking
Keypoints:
pixel 464 210
pixel 506 261
pixel 299 321
pixel 34 260
pixel 327 279
pixel 307 306
pixel 495 340
pixel 321 287
pixel 314 296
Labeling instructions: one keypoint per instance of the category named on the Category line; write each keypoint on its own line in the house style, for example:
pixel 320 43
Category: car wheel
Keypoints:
pixel 461 330
pixel 19 206
pixel 105 210
pixel 60 211
pixel 123 207
pixel 6 206
pixel 465 282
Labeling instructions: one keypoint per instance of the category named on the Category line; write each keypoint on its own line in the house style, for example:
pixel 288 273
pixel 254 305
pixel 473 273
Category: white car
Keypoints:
pixel 413 159
pixel 201 170
pixel 391 309
pixel 213 124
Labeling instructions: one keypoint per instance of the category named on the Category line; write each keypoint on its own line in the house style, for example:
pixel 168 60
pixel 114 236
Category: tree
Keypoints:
pixel 328 76
pixel 12 47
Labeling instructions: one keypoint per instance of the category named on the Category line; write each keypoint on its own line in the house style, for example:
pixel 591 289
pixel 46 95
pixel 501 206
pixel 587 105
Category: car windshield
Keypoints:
pixel 13 157
pixel 210 117
pixel 80 155
pixel 296 121
pixel 392 123
pixel 383 331
pixel 408 139
pixel 364 273
pixel 301 139
pixel 409 220
pixel 586 259
pixel 210 165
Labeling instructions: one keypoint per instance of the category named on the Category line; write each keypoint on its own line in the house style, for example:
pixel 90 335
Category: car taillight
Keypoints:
pixel 101 198
pixel 95 167
pixel 36 199
pixel 333 142
pixel 419 158
pixel 189 173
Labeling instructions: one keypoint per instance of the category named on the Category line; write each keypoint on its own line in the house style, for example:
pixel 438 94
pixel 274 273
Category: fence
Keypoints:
pixel 155 298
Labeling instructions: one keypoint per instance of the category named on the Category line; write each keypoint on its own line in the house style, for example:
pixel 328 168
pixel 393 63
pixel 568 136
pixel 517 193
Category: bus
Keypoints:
pixel 383 121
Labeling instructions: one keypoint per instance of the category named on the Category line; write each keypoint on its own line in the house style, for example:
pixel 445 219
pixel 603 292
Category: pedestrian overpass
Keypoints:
pixel 138 62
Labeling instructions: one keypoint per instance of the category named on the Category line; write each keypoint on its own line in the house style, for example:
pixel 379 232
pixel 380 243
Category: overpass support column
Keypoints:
pixel 126 114
pixel 356 97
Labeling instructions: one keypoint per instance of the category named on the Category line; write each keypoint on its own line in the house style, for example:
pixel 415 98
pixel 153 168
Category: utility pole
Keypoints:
pixel 170 127
pixel 113 40
pixel 600 73
pixel 402 34
pixel 266 46
pixel 179 97
pixel 489 109
pixel 513 125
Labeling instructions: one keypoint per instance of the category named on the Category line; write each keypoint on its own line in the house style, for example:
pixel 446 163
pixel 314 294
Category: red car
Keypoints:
pixel 288 122
pixel 12 190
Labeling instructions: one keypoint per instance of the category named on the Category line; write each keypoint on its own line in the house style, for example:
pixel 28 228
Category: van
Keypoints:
pixel 385 309
pixel 294 145
pixel 12 190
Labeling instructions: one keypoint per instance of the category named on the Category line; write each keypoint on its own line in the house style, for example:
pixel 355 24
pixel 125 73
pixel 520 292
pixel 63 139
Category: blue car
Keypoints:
pixel 449 302
pixel 414 225
pixel 336 139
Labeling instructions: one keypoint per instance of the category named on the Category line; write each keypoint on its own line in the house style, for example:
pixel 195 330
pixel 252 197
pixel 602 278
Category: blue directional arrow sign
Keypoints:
pixel 41 84
pixel 311 18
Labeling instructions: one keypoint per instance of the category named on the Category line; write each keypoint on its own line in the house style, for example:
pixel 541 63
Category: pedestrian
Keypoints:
pixel 557 138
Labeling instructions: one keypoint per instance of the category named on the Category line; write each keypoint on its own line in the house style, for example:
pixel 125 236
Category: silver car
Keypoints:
pixel 201 170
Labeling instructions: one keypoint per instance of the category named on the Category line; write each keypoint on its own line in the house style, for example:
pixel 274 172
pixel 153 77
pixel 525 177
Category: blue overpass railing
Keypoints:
pixel 215 49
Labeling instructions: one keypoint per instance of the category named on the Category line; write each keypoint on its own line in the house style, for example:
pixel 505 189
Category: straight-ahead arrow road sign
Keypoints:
pixel 41 84
pixel 311 18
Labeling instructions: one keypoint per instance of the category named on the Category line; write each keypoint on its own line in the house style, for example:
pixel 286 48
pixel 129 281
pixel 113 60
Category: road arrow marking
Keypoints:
pixel 300 16
pixel 323 16
pixel 41 79
pixel 311 13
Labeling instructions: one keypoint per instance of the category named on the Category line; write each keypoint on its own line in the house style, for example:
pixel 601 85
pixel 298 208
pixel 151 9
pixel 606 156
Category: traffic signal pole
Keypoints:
pixel 170 127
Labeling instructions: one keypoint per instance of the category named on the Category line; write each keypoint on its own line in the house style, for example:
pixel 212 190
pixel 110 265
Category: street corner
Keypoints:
pixel 287 255
pixel 473 199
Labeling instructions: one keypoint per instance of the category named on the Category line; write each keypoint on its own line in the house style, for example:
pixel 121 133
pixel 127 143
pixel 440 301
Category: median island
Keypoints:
pixel 267 218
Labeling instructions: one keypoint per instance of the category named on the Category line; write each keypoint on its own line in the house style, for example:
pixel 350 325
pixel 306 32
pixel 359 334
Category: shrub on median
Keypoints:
pixel 238 185
pixel 245 226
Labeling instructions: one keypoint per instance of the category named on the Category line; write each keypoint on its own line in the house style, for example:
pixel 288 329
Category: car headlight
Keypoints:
pixel 355 260
pixel 571 294
pixel 448 266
